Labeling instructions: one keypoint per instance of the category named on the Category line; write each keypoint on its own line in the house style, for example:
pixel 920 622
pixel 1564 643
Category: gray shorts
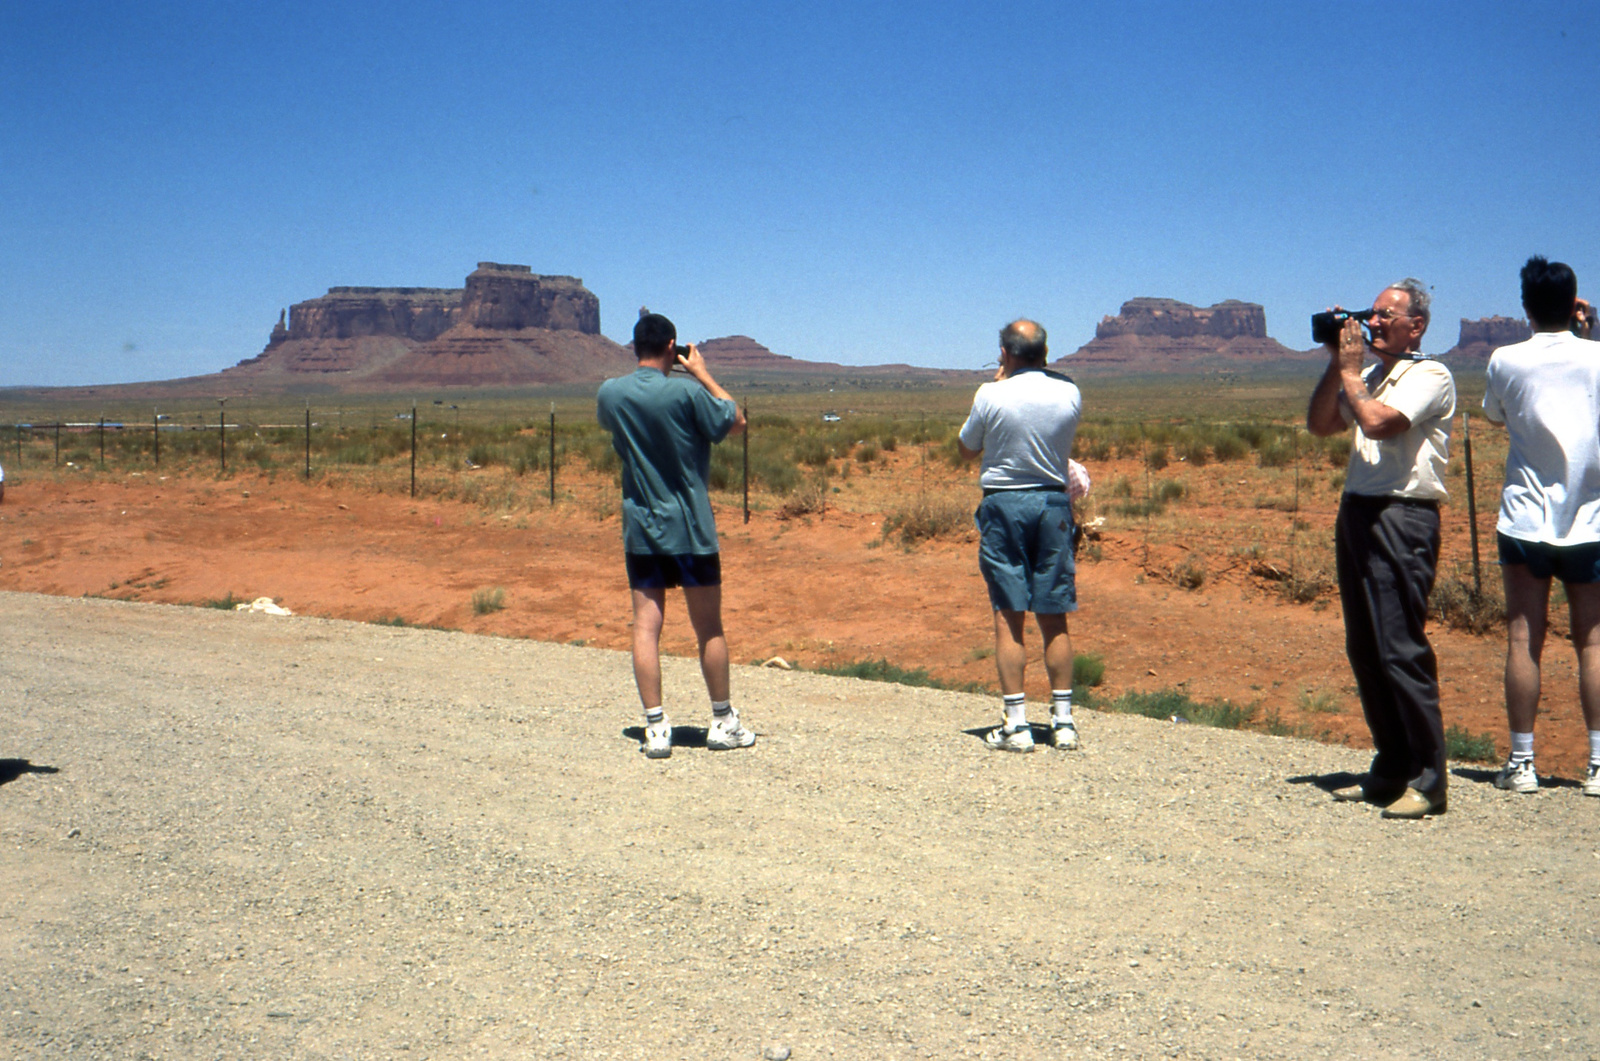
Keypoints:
pixel 1025 551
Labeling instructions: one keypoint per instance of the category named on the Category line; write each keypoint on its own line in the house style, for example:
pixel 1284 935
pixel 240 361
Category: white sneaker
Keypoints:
pixel 658 740
pixel 726 734
pixel 1064 735
pixel 1518 776
pixel 1004 739
pixel 1591 784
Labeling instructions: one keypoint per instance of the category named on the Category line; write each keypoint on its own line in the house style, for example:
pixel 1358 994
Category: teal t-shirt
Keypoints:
pixel 663 428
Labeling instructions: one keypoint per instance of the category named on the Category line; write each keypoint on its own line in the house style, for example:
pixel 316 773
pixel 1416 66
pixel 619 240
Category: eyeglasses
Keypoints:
pixel 1389 314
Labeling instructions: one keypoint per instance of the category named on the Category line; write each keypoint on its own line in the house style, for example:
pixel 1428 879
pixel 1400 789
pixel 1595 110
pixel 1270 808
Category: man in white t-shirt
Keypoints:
pixel 1386 541
pixel 1547 393
pixel 1022 424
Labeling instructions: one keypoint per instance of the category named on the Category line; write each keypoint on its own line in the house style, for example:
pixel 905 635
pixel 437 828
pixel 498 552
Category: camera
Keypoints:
pixel 1325 326
pixel 1583 320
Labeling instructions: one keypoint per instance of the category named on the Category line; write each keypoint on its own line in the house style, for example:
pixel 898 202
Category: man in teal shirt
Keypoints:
pixel 663 427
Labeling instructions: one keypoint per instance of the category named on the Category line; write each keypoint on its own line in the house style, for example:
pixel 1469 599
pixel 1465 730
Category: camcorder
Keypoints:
pixel 1326 326
pixel 1583 320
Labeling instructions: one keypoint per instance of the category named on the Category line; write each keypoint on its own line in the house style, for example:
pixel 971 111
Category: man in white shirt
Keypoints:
pixel 1546 391
pixel 1022 424
pixel 1387 541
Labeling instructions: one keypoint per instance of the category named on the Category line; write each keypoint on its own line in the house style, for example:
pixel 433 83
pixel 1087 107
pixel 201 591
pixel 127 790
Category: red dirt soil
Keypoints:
pixel 814 591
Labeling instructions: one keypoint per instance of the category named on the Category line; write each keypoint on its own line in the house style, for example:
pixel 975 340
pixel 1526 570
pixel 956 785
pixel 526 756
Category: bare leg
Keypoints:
pixel 1527 613
pixel 649 609
pixel 1010 657
pixel 1583 603
pixel 1057 649
pixel 705 615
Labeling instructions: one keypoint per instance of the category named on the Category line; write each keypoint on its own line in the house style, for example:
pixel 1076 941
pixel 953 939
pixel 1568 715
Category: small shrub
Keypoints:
pixel 1122 487
pixel 483 455
pixel 1469 747
pixel 1175 703
pixel 881 670
pixel 1088 670
pixel 866 453
pixel 1170 490
pixel 1318 702
pixel 810 497
pixel 227 604
pixel 1228 446
pixel 485 601
pixel 1278 453
pixel 1189 574
pixel 925 519
pixel 1156 458
pixel 1457 605
pixel 1274 726
pixel 1139 509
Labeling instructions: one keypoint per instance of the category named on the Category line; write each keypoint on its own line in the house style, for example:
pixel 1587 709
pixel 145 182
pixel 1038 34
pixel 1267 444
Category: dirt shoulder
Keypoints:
pixel 814 590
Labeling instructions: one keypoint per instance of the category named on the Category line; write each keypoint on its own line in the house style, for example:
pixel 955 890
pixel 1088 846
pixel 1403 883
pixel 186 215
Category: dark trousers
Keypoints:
pixel 1387 552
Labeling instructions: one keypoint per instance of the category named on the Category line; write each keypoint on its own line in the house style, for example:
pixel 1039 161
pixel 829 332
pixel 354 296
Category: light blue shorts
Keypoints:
pixel 1025 551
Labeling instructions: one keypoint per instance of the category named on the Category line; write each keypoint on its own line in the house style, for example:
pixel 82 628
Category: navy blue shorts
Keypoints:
pixel 1025 551
pixel 651 571
pixel 1576 564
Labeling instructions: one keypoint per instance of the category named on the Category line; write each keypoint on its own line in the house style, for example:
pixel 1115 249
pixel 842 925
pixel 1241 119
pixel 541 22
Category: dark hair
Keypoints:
pixel 1549 290
pixel 653 335
pixel 1024 340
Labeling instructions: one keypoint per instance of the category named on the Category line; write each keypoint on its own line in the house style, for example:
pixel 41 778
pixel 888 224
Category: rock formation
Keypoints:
pixel 1481 337
pixel 1163 334
pixel 507 326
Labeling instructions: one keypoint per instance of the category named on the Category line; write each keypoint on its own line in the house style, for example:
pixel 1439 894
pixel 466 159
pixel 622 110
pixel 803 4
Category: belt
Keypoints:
pixel 1042 489
pixel 1377 500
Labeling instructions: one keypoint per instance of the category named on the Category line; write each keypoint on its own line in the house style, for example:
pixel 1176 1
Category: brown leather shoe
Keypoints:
pixel 1413 804
pixel 1367 791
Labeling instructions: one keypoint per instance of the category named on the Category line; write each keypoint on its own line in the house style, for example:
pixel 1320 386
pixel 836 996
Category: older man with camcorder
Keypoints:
pixel 1387 536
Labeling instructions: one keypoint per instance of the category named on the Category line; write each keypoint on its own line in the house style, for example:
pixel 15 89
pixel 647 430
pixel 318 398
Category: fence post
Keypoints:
pixel 58 440
pixel 155 432
pixel 19 445
pixel 102 442
pixel 222 433
pixel 1294 514
pixel 308 440
pixel 413 446
pixel 1472 503
pixel 747 462
pixel 552 453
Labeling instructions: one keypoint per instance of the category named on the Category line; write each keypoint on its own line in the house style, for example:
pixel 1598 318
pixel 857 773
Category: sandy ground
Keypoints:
pixel 812 590
pixel 304 838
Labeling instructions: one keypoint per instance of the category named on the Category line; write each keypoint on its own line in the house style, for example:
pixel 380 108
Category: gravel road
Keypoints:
pixel 301 838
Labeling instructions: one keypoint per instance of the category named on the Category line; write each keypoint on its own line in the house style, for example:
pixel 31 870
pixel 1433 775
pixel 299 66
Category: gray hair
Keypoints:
pixel 1417 291
pixel 1024 340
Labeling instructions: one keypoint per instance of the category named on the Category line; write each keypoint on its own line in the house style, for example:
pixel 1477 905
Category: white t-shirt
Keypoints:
pixel 1410 464
pixel 1024 425
pixel 1547 392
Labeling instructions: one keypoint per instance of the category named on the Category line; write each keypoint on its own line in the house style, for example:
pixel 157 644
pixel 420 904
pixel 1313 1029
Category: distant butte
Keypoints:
pixel 1480 338
pixel 1163 334
pixel 509 326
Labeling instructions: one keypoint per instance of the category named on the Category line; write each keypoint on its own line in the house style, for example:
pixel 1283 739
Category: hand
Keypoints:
pixel 1583 317
pixel 1352 351
pixel 1004 371
pixel 692 362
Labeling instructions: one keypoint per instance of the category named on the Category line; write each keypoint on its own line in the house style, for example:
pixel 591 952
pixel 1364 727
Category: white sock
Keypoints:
pixel 1016 710
pixel 1594 745
pixel 654 716
pixel 1060 706
pixel 1522 746
pixel 722 710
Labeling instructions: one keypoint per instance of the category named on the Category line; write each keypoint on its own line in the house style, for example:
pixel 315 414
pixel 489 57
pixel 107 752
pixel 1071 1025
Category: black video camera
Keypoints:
pixel 1325 326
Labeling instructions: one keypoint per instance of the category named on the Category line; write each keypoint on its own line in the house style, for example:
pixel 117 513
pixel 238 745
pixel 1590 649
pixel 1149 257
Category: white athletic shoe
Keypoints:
pixel 658 740
pixel 726 734
pixel 1517 776
pixel 1591 784
pixel 1064 735
pixel 1005 739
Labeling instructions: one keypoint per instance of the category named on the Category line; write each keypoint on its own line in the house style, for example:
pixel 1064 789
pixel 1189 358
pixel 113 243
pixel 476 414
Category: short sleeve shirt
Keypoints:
pixel 663 428
pixel 1024 425
pixel 1410 464
pixel 1547 392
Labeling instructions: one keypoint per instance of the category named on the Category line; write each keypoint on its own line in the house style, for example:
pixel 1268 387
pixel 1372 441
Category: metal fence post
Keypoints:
pixel 155 434
pixel 747 462
pixel 308 440
pixel 413 448
pixel 1472 503
pixel 552 453
pixel 102 443
pixel 222 433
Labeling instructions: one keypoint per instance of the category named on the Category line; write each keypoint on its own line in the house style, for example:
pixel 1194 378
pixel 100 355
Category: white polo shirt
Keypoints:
pixel 1547 392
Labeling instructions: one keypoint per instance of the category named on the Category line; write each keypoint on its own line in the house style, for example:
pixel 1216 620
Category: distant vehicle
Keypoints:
pixel 830 418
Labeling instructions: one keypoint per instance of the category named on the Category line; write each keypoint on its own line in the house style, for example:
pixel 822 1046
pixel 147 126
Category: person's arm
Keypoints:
pixel 1322 415
pixel 695 365
pixel 1376 420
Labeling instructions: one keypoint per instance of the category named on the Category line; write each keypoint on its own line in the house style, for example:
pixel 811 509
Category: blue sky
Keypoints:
pixel 863 182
